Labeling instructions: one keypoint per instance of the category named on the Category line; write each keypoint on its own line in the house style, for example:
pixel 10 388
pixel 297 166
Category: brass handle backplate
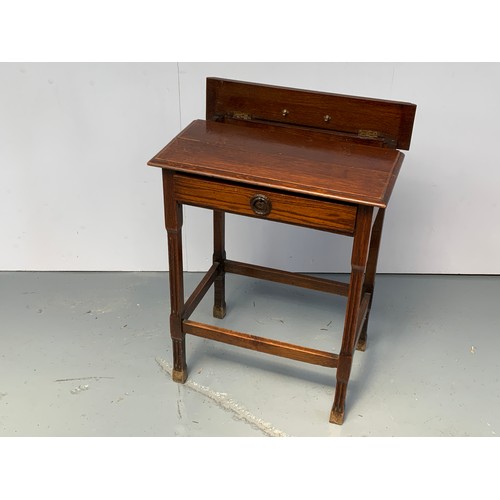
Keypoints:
pixel 261 204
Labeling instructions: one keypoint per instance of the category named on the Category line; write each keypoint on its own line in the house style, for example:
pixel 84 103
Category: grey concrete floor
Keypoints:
pixel 89 354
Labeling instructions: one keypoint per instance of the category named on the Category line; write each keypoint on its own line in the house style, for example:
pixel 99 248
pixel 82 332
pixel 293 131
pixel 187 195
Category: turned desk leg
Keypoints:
pixel 173 222
pixel 371 270
pixel 219 256
pixel 358 267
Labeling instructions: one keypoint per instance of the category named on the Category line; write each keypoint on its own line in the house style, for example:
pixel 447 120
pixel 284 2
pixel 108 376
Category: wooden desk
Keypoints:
pixel 323 161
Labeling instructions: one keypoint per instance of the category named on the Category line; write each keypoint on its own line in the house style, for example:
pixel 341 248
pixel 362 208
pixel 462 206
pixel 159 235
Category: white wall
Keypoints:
pixel 75 192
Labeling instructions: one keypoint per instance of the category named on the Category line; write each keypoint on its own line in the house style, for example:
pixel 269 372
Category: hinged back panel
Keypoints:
pixel 386 123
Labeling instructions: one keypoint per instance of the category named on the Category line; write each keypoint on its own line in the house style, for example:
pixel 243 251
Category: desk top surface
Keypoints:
pixel 289 159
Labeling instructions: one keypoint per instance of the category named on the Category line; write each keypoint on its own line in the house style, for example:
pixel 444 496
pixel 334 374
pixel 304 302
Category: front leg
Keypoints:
pixel 358 267
pixel 173 220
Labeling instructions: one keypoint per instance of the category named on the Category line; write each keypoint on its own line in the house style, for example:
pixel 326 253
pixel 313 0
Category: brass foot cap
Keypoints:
pixel 336 417
pixel 179 377
pixel 219 312
pixel 361 345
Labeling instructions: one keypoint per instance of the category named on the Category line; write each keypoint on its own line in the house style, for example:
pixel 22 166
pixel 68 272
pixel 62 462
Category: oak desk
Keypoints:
pixel 323 161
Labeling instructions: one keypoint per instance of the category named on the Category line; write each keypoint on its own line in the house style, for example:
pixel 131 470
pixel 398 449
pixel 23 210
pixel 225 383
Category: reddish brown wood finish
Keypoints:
pixel 295 279
pixel 318 160
pixel 393 120
pixel 371 269
pixel 358 268
pixel 236 198
pixel 200 291
pixel 310 163
pixel 269 346
pixel 219 257
pixel 173 223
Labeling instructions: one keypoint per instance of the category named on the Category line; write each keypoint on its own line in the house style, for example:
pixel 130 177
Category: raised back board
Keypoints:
pixel 360 119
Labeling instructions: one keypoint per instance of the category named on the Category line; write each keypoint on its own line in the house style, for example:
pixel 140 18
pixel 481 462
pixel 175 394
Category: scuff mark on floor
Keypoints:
pixel 79 389
pixel 179 402
pixel 79 378
pixel 223 401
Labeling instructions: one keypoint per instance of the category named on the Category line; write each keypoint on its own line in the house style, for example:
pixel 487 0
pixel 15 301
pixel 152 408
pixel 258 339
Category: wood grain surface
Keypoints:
pixel 309 162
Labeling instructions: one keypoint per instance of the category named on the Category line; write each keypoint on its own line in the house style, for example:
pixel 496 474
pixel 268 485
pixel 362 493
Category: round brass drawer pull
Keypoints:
pixel 261 204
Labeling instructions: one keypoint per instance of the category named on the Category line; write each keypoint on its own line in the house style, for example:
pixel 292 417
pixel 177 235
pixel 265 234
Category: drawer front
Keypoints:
pixel 266 204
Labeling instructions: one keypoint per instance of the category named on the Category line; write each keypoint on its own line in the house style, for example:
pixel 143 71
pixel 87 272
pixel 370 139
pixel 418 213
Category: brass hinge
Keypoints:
pixel 241 116
pixel 370 134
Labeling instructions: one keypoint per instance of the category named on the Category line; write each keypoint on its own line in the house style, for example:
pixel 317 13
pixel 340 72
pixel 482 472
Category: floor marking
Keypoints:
pixel 80 378
pixel 223 401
